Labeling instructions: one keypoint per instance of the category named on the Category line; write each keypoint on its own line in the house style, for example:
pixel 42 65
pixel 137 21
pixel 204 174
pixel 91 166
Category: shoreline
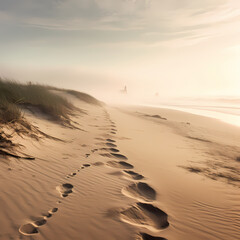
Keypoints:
pixel 232 119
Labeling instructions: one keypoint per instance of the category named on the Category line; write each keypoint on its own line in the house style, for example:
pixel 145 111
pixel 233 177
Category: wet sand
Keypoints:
pixel 125 173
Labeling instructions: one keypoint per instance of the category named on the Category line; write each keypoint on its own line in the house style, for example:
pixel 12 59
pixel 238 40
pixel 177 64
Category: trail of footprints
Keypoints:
pixel 143 213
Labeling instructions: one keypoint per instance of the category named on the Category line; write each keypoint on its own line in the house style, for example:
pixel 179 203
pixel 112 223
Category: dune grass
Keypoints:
pixel 14 96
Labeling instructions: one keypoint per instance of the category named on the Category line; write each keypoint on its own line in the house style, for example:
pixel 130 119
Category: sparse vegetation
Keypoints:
pixel 14 96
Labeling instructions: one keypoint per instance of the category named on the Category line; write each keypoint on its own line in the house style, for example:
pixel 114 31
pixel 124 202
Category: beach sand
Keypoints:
pixel 124 173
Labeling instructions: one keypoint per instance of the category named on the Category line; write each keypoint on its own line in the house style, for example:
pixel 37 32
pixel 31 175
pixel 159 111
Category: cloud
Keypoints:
pixel 151 21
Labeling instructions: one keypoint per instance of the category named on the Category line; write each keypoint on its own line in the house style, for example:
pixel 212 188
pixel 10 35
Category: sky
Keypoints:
pixel 178 48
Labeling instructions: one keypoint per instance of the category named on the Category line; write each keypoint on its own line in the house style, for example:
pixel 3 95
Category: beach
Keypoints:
pixel 123 173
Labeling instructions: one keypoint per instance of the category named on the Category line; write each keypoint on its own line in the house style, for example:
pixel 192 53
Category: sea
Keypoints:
pixel 225 110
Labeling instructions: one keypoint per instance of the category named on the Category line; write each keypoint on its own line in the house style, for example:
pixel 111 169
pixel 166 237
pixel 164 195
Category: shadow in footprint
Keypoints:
pixel 65 189
pixel 147 215
pixel 114 150
pixel 141 191
pixel 86 165
pixel 120 164
pixel 111 144
pixel 113 155
pixel 133 175
pixel 119 156
pixel 145 236
pixel 110 140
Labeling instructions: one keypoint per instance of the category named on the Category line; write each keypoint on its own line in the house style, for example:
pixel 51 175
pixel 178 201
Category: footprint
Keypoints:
pixel 120 156
pixel 65 189
pixel 110 140
pixel 53 210
pixel 120 164
pixel 98 163
pixel 115 155
pixel 47 215
pixel 111 144
pixel 105 155
pixel 112 132
pixel 28 229
pixel 100 139
pixel 86 165
pixel 133 175
pixel 143 214
pixel 141 191
pixel 94 150
pixel 39 222
pixel 73 174
pixel 145 236
pixel 113 150
pixel 110 149
pixel 87 155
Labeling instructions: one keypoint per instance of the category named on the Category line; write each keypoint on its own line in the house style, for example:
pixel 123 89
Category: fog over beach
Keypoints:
pixel 120 120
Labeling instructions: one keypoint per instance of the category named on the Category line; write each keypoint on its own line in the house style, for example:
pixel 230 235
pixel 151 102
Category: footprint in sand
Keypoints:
pixel 32 228
pixel 65 189
pixel 100 139
pixel 140 191
pixel 115 155
pixel 47 215
pixel 114 150
pixel 113 132
pixel 86 165
pixel 147 215
pixel 53 210
pixel 28 229
pixel 71 175
pixel 111 144
pixel 145 236
pixel 120 164
pixel 110 140
pixel 98 164
pixel 105 155
pixel 94 150
pixel 119 156
pixel 133 175
pixel 39 222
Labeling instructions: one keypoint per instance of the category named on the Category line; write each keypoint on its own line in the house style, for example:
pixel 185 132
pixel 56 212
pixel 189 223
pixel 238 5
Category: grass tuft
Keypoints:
pixel 14 95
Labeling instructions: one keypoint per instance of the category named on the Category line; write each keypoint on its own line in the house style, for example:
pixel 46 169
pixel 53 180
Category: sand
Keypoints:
pixel 124 173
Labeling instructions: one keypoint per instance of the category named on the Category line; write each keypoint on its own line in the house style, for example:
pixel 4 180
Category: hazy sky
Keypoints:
pixel 174 47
